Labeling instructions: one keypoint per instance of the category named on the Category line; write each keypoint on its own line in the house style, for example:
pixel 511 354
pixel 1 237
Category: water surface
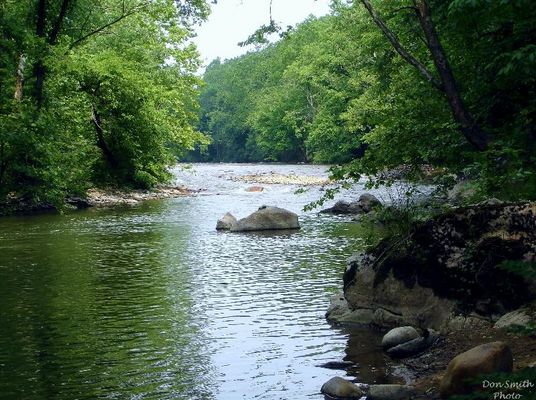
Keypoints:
pixel 150 302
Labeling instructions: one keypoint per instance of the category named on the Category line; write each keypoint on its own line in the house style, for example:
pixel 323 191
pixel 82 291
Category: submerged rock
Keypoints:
pixel 255 189
pixel 390 392
pixel 267 218
pixel 484 359
pixel 341 388
pixel 226 222
pixel 342 365
pixel 399 336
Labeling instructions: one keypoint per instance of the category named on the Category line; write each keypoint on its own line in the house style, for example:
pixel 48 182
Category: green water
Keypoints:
pixel 150 302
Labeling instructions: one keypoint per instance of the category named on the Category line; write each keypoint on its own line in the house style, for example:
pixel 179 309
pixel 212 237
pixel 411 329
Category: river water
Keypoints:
pixel 150 302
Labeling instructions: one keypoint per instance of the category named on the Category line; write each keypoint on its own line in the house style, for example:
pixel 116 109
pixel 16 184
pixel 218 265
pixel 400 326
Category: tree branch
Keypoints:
pixel 53 37
pixel 124 14
pixel 391 36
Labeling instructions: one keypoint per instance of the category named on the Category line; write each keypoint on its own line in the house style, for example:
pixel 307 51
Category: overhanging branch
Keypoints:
pixel 391 36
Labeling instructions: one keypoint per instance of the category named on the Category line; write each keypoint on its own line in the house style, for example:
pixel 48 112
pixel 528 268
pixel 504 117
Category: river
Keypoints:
pixel 150 302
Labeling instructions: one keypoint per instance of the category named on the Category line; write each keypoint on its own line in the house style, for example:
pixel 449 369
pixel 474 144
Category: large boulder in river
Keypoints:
pixel 340 388
pixel 447 272
pixel 226 222
pixel 267 219
pixel 484 359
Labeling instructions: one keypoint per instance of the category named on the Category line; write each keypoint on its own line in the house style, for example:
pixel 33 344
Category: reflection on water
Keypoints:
pixel 151 302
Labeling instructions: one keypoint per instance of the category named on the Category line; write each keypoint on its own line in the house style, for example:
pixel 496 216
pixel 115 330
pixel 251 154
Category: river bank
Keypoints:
pixel 95 197
pixel 466 273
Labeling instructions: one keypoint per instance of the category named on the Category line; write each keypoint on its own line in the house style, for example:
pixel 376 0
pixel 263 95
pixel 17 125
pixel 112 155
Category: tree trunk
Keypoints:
pixel 468 126
pixel 39 71
pixel 101 142
pixel 19 86
pixel 3 163
pixel 54 34
pixel 447 83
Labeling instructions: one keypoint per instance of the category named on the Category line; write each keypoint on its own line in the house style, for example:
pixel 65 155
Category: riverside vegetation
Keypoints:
pixel 96 94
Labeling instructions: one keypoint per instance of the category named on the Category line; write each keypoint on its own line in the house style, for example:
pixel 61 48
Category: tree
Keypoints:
pixel 94 93
pixel 447 83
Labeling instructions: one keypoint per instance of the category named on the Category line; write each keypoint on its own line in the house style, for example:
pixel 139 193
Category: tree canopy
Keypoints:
pixel 378 84
pixel 94 92
pixel 106 93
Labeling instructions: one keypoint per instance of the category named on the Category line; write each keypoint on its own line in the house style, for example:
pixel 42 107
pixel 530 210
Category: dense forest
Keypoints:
pixel 448 84
pixel 106 93
pixel 94 93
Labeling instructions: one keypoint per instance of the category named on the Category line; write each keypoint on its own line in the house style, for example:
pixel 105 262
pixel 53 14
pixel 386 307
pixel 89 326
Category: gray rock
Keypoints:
pixel 390 392
pixel 266 219
pixel 226 222
pixel 414 346
pixel 341 388
pixel 399 336
pixel 343 207
pixel 520 317
pixel 339 313
pixel 368 202
pixel 417 282
pixel 78 202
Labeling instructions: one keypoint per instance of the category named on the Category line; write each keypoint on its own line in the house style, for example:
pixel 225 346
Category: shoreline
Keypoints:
pixel 95 198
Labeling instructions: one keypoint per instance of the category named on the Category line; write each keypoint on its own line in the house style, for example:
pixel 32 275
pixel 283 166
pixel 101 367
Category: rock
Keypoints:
pixel 79 202
pixel 398 336
pixel 338 312
pixel 341 388
pixel 520 317
pixel 484 359
pixel 365 204
pixel 368 202
pixel 267 218
pixel 446 273
pixel 343 207
pixel 226 222
pixel 390 392
pixel 461 191
pixel 414 346
pixel 343 365
pixel 255 189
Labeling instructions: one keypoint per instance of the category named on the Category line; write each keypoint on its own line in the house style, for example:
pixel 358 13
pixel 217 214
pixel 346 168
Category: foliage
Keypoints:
pixel 334 90
pixel 108 93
